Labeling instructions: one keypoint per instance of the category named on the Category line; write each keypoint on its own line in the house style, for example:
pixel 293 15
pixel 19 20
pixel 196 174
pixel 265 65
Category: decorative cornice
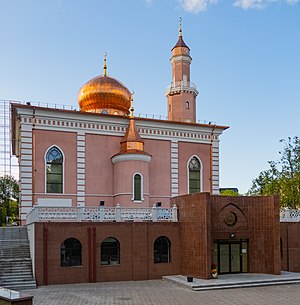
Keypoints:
pixel 186 58
pixel 131 157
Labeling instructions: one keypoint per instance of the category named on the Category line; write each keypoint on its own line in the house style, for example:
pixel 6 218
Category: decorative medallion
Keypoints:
pixel 230 219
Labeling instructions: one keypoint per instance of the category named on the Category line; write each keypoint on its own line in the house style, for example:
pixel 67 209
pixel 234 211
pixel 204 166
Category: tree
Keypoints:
pixel 9 199
pixel 229 192
pixel 283 176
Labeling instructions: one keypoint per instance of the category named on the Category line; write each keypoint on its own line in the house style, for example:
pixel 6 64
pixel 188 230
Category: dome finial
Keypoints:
pixel 104 64
pixel 131 115
pixel 180 27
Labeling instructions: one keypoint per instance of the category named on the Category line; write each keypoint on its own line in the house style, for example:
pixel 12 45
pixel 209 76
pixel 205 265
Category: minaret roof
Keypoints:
pixel 132 141
pixel 132 135
pixel 180 42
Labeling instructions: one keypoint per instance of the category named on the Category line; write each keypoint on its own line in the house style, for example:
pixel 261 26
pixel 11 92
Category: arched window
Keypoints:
pixel 110 251
pixel 187 105
pixel 70 252
pixel 194 175
pixel 137 187
pixel 54 170
pixel 162 250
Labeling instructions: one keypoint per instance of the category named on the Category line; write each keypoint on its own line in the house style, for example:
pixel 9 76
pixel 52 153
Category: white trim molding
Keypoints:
pixel 174 166
pixel 131 157
pixel 80 168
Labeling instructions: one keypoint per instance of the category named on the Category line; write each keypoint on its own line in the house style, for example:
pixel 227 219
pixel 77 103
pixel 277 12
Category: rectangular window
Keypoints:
pixel 54 178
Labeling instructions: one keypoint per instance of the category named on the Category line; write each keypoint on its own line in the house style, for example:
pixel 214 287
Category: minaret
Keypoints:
pixel 181 93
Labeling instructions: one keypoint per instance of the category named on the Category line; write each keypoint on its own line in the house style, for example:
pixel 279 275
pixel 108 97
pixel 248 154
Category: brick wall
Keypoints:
pixel 290 241
pixel 136 251
pixel 257 221
pixel 195 234
pixel 206 218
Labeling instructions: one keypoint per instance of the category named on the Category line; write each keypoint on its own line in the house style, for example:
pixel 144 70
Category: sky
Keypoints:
pixel 246 63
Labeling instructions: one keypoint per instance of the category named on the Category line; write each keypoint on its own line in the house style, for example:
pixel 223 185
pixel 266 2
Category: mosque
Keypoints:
pixel 119 197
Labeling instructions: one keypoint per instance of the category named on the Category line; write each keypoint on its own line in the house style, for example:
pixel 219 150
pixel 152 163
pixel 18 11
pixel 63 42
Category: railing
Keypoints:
pixel 181 86
pixel 100 214
pixel 140 115
pixel 289 215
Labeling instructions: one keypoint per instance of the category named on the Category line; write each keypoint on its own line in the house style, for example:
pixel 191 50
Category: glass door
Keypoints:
pixel 235 258
pixel 224 255
pixel 232 256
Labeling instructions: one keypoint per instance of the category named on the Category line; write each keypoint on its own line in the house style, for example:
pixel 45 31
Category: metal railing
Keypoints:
pixel 76 108
pixel 101 214
pixel 181 86
pixel 287 215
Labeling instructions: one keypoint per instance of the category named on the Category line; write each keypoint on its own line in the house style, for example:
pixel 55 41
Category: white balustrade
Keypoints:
pixel 101 214
pixel 181 86
pixel 287 215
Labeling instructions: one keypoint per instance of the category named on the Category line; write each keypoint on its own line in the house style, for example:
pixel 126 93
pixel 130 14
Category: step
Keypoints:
pixel 15 271
pixel 16 275
pixel 15 261
pixel 7 281
pixel 21 286
pixel 245 285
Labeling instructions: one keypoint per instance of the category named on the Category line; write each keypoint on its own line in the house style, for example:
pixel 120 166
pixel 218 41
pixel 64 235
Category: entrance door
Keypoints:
pixel 231 256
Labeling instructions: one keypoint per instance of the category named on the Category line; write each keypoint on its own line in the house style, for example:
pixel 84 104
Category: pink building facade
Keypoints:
pixel 102 155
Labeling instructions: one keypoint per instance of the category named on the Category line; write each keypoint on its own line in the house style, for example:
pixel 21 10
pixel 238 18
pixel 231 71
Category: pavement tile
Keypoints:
pixel 160 292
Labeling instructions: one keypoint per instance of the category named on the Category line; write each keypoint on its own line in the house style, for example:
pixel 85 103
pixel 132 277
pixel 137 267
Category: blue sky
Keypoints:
pixel 246 63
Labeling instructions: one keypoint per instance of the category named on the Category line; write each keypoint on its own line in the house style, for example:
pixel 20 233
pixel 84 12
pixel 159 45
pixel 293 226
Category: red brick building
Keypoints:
pixel 239 234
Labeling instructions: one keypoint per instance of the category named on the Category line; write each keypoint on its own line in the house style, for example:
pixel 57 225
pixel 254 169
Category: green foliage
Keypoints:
pixel 9 199
pixel 228 193
pixel 283 176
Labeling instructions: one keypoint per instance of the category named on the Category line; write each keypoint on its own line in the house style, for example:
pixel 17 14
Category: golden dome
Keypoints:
pixel 104 94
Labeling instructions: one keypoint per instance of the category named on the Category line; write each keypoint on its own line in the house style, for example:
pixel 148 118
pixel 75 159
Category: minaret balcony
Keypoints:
pixel 181 86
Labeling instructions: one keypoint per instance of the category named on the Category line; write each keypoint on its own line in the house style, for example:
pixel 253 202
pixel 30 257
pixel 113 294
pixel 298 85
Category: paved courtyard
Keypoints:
pixel 160 293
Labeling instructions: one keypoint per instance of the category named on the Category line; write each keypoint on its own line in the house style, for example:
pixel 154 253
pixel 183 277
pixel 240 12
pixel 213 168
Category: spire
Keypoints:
pixel 180 27
pixel 180 42
pixel 104 64
pixel 132 141
pixel 131 114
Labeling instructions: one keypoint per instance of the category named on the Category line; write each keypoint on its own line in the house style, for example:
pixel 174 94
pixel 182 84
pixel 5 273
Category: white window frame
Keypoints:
pixel 63 169
pixel 188 173
pixel 142 187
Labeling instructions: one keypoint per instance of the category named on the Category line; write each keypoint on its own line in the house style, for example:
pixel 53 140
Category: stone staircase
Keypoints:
pixel 15 261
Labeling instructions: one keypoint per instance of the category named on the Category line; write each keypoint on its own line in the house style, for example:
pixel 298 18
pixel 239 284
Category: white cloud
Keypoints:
pixel 257 4
pixel 196 6
pixel 149 2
